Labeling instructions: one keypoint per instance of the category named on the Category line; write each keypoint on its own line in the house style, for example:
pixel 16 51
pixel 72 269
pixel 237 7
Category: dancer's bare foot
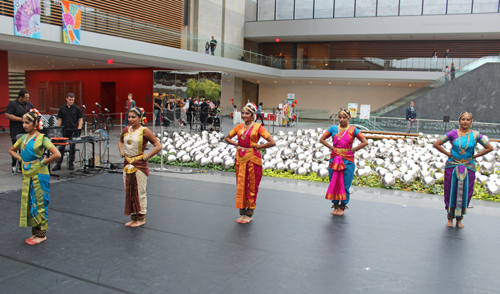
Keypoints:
pixel 30 238
pixel 246 219
pixel 449 224
pixel 460 225
pixel 36 241
pixel 240 219
pixel 137 224
pixel 335 211
pixel 341 212
pixel 128 224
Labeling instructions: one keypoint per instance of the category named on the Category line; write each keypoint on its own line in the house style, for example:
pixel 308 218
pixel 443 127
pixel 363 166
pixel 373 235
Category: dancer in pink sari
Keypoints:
pixel 342 165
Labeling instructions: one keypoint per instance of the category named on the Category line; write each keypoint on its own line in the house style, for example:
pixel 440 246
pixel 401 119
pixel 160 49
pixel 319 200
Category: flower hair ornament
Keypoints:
pixel 34 116
pixel 346 112
pixel 252 108
pixel 143 119
pixel 465 114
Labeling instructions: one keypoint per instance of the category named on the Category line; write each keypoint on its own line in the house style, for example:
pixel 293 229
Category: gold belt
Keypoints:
pixel 134 159
pixel 246 148
pixel 341 150
pixel 36 160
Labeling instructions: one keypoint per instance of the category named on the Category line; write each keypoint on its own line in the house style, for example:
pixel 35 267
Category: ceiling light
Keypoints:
pixel 329 83
pixel 388 84
pixel 310 82
pixel 348 83
pixel 293 82
pixel 275 82
pixel 368 84
pixel 258 81
pixel 410 85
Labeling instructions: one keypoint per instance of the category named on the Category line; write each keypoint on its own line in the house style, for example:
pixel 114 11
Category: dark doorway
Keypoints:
pixel 108 96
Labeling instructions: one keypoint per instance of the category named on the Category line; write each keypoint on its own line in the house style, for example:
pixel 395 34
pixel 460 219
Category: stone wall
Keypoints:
pixel 477 92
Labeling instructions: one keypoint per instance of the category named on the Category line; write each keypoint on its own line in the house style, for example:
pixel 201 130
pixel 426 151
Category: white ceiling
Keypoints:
pixel 22 61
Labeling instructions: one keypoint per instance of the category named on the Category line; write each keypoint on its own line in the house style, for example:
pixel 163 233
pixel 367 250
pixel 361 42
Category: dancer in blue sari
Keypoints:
pixel 460 169
pixel 36 177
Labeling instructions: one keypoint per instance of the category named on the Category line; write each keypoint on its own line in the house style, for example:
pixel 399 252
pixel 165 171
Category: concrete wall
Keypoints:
pixel 316 101
pixel 223 19
pixel 477 92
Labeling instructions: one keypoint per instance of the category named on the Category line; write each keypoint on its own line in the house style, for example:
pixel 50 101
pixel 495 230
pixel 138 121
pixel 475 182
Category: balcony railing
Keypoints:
pixel 98 21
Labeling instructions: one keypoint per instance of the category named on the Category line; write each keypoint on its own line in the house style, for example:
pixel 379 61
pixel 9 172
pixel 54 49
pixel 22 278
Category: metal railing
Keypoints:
pixel 437 83
pixel 427 126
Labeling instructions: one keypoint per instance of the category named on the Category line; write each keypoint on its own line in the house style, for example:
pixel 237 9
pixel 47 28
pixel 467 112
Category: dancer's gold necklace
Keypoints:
pixel 342 129
pixel 129 141
pixel 460 135
pixel 27 140
pixel 247 129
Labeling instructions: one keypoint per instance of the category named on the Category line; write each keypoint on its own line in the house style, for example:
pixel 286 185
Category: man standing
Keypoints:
pixel 259 113
pixel 129 105
pixel 14 113
pixel 411 115
pixel 157 102
pixel 213 44
pixel 71 118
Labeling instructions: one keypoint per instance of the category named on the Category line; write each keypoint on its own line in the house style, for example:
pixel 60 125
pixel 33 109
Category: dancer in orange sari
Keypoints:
pixel 248 162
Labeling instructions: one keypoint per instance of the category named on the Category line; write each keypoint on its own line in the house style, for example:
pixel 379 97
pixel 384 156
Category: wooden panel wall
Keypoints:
pixel 157 22
pixel 277 49
pixel 405 49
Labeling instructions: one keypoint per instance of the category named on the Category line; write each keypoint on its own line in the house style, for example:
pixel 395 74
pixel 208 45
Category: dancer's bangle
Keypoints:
pixel 145 158
pixel 122 153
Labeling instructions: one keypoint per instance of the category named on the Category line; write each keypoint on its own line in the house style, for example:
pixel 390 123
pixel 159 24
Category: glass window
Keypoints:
pixel 459 6
pixel 250 10
pixel 366 7
pixel 387 7
pixel 284 9
pixel 344 8
pixel 410 7
pixel 323 9
pixel 304 9
pixel 266 9
pixel 434 7
pixel 484 6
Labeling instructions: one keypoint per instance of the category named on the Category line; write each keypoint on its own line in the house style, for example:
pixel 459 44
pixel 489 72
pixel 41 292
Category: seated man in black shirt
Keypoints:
pixel 14 113
pixel 71 118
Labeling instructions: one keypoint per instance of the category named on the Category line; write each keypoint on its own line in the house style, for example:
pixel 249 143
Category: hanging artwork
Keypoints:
pixel 72 22
pixel 27 18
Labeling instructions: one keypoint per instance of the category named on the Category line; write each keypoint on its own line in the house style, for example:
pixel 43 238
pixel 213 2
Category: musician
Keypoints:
pixel 14 113
pixel 71 118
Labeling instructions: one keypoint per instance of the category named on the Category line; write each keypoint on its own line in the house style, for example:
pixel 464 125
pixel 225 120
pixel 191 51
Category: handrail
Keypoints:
pixel 435 84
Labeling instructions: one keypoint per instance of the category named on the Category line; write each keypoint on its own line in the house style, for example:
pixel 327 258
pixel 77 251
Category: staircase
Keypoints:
pixel 405 100
pixel 16 84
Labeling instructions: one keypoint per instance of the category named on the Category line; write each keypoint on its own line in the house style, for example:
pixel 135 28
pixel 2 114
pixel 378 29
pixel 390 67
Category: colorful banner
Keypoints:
pixel 353 108
pixel 364 111
pixel 27 18
pixel 72 22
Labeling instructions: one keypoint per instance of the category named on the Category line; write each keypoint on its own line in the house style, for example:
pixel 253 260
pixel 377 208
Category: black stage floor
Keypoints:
pixel 192 244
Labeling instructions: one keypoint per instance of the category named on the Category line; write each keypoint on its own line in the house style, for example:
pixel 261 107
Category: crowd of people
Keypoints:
pixel 191 110
pixel 35 152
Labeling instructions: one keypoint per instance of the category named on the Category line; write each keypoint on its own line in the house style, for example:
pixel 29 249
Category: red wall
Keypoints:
pixel 4 86
pixel 139 82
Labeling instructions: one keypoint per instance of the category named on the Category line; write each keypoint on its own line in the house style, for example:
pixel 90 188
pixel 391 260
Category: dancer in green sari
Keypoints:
pixel 36 177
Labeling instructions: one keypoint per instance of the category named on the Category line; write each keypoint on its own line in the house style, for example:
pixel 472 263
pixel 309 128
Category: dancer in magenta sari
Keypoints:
pixel 460 168
pixel 341 168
